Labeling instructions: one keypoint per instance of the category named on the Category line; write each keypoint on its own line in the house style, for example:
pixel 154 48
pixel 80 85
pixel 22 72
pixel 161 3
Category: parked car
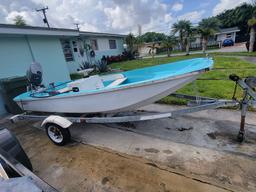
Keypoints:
pixel 227 42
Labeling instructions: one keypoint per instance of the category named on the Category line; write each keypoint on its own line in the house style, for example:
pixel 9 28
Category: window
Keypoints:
pixel 94 44
pixel 228 35
pixel 74 46
pixel 112 44
pixel 67 50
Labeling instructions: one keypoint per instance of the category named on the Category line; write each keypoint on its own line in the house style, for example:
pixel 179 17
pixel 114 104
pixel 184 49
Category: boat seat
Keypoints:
pixel 117 82
pixel 112 77
pixel 90 83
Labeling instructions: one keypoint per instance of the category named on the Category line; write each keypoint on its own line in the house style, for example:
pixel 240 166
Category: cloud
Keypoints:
pixel 115 16
pixel 177 7
pixel 193 16
pixel 227 4
pixel 3 13
pixel 29 17
pixel 128 14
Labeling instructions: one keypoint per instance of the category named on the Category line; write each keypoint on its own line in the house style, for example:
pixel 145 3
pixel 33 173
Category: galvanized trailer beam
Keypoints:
pixel 246 88
pixel 133 118
pixel 192 97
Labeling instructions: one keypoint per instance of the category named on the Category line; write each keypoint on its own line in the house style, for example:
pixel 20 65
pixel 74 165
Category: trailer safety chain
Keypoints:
pixel 234 93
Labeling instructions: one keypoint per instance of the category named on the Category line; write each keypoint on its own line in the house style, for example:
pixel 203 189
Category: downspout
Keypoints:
pixel 30 49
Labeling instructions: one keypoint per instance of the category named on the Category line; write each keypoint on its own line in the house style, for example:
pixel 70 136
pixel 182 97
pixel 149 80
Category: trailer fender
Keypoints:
pixel 58 120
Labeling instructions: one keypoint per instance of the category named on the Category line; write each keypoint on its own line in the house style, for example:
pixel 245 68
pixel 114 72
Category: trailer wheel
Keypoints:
pixel 57 134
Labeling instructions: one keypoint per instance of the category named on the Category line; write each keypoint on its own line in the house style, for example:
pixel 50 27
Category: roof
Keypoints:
pixel 45 31
pixel 228 30
pixel 87 33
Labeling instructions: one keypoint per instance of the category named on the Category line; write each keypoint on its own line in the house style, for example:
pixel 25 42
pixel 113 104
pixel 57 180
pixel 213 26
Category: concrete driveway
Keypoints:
pixel 197 152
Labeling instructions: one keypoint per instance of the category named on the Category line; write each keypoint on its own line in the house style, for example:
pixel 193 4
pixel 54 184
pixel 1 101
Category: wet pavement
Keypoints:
pixel 197 152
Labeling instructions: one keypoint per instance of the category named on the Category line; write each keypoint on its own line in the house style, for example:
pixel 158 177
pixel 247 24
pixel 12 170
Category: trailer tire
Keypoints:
pixel 57 134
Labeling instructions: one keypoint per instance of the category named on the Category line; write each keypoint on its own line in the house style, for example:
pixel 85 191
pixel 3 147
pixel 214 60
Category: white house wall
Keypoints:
pixel 103 49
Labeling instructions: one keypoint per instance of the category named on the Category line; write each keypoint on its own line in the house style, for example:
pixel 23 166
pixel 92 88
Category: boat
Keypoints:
pixel 113 93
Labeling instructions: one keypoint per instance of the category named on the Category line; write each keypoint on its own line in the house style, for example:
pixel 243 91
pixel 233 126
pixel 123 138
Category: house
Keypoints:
pixel 57 50
pixel 214 41
pixel 227 33
pixel 103 44
pixel 218 38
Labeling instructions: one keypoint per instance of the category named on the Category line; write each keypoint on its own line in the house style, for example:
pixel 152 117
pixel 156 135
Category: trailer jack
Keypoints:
pixel 248 85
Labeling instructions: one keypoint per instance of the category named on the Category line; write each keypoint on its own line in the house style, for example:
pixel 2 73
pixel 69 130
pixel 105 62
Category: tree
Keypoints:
pixel 237 17
pixel 252 25
pixel 206 28
pixel 130 41
pixel 18 20
pixel 169 43
pixel 152 37
pixel 184 29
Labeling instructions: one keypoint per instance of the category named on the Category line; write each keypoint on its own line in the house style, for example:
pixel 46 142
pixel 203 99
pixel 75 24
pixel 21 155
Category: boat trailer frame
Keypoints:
pixel 59 124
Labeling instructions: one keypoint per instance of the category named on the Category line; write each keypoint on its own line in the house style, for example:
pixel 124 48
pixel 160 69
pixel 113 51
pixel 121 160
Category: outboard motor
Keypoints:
pixel 34 75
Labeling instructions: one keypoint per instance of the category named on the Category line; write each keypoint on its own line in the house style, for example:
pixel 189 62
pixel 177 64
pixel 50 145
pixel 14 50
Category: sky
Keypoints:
pixel 114 16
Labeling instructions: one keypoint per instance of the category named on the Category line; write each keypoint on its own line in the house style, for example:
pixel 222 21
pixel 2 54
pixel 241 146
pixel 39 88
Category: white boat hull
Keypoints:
pixel 109 101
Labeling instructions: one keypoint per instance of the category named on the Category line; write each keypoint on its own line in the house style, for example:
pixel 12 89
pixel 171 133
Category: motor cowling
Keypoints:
pixel 35 74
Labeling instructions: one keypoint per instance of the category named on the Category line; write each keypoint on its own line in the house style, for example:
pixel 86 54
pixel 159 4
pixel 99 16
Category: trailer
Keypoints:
pixel 57 125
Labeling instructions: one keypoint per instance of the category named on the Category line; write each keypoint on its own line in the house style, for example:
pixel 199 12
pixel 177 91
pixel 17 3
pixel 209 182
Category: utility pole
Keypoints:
pixel 139 30
pixel 77 26
pixel 44 13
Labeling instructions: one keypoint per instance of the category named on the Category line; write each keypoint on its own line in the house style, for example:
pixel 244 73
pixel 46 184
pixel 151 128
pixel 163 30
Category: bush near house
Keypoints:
pixel 118 58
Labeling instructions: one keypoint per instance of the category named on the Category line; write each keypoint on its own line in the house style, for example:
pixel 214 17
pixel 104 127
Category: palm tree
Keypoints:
pixel 252 25
pixel 18 20
pixel 169 42
pixel 184 28
pixel 206 28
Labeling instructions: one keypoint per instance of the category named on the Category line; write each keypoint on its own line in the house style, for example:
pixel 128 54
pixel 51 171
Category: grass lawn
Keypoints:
pixel 209 88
